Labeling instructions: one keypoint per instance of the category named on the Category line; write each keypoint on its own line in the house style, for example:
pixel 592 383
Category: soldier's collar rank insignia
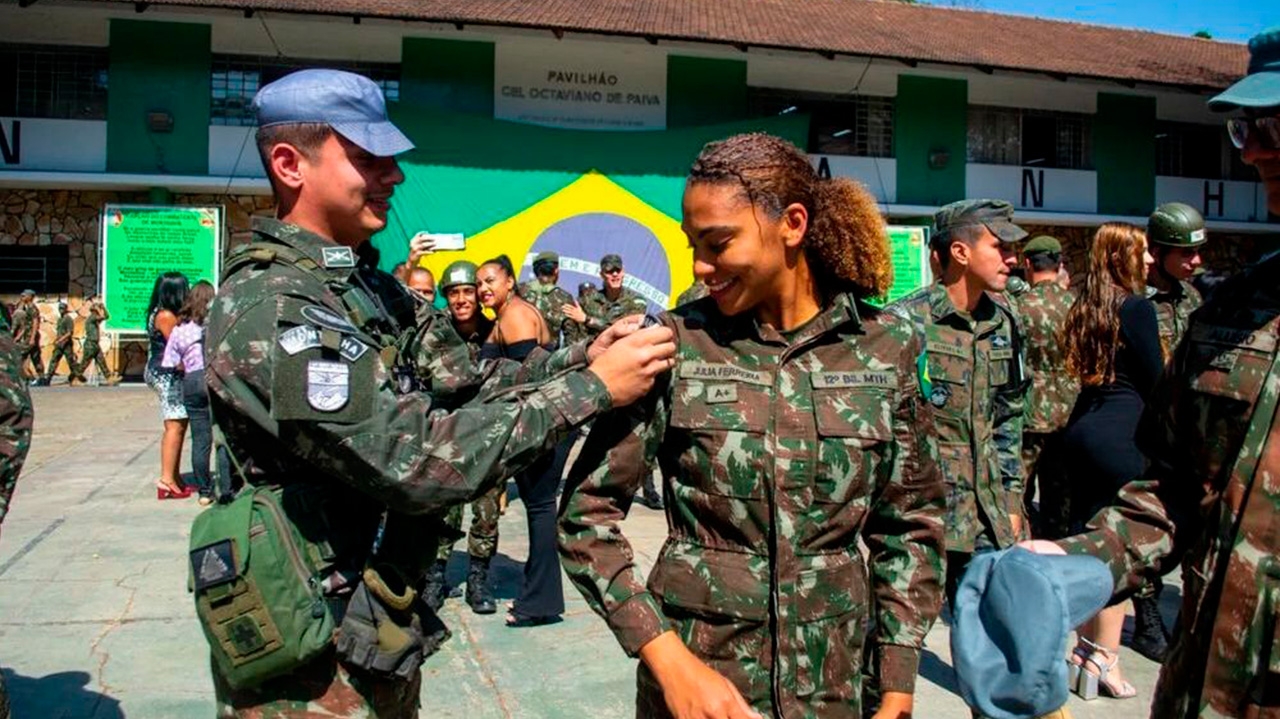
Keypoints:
pixel 337 257
pixel 328 319
pixel 328 385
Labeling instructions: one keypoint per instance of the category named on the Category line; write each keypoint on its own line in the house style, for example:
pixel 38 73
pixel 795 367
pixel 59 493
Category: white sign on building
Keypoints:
pixel 878 174
pixel 1215 199
pixel 1034 188
pixel 59 145
pixel 580 87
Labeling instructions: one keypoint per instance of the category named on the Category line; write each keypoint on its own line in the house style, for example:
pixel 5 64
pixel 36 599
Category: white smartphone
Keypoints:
pixel 445 241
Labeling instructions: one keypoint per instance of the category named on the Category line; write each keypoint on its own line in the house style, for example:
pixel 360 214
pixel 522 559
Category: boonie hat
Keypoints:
pixel 611 262
pixel 458 273
pixel 1175 224
pixel 1013 613
pixel 545 263
pixel 28 293
pixel 1042 243
pixel 349 103
pixel 546 257
pixel 1261 86
pixel 995 215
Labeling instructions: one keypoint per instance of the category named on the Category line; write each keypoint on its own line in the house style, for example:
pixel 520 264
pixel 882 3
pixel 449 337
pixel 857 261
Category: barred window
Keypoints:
pixel 1032 138
pixel 236 79
pixel 53 81
pixel 43 269
pixel 860 125
pixel 1185 149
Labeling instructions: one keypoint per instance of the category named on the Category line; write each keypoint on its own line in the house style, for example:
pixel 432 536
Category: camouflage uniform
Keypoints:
pixel 92 351
pixel 549 299
pixel 696 291
pixel 1211 434
pixel 1042 312
pixel 64 348
pixel 16 418
pixel 602 312
pixel 482 536
pixel 976 388
pixel 1173 313
pixel 780 452
pixel 26 330
pixel 311 377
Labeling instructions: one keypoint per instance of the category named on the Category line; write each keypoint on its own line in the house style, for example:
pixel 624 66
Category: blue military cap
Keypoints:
pixel 349 103
pixel 1260 87
pixel 1013 612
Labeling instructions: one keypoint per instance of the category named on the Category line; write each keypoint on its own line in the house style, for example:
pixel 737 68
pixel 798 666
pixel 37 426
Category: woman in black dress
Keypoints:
pixel 1113 348
pixel 519 329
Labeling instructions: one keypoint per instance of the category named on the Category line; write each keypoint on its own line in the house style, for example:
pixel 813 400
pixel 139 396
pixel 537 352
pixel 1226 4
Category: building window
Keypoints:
pixel 44 269
pixel 1185 149
pixel 66 83
pixel 236 79
pixel 1031 138
pixel 860 125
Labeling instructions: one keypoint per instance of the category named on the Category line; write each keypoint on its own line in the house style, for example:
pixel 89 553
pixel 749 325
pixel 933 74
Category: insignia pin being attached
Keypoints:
pixel 328 319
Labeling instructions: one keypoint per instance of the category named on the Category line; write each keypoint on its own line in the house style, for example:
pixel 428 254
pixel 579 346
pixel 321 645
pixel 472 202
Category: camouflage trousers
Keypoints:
pixel 32 353
pixel 482 536
pixel 323 688
pixel 92 352
pixel 1047 482
pixel 63 351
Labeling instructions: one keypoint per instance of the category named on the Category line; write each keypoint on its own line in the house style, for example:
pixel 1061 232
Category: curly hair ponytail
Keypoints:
pixel 846 243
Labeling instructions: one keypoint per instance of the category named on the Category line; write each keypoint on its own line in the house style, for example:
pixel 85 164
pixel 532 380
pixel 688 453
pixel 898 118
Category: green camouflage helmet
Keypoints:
pixel 1175 224
pixel 458 273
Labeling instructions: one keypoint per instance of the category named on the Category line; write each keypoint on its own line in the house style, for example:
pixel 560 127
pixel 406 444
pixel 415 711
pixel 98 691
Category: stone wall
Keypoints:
pixel 1225 252
pixel 70 217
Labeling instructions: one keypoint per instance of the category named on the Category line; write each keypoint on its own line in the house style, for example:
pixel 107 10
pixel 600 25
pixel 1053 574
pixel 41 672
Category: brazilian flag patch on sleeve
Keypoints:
pixel 922 371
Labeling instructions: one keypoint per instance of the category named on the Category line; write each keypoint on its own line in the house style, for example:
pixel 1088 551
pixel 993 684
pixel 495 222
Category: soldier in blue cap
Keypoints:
pixel 305 584
pixel 1211 494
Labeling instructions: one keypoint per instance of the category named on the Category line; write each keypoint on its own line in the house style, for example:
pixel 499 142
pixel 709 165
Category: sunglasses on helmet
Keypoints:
pixel 1267 129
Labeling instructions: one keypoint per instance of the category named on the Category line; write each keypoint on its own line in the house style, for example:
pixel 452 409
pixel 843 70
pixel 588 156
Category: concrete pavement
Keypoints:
pixel 95 620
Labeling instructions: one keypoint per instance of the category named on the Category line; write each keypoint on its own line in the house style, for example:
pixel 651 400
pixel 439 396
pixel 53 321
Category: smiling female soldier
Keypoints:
pixel 793 424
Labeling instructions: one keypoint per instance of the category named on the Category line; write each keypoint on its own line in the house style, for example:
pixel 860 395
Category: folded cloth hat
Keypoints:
pixel 351 104
pixel 996 215
pixel 1013 613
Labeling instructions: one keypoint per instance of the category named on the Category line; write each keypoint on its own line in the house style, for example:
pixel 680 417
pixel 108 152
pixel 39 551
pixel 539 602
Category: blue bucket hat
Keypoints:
pixel 349 103
pixel 1013 613
pixel 1261 86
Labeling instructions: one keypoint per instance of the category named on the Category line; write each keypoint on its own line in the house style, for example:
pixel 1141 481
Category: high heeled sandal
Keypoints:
pixel 1088 685
pixel 164 491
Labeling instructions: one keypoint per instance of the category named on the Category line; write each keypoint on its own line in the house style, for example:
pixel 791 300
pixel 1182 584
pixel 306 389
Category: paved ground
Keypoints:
pixel 95 620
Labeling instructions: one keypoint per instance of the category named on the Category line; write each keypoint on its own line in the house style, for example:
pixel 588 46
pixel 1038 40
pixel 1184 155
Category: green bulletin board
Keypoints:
pixel 140 242
pixel 910 252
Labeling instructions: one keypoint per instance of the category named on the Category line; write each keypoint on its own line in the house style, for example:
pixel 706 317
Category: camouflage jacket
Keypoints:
pixel 23 326
pixel 93 325
pixel 696 291
pixel 978 382
pixel 1173 313
pixel 602 312
pixel 66 330
pixel 1042 313
pixel 549 299
pixel 1211 433
pixel 779 453
pixel 310 370
pixel 16 419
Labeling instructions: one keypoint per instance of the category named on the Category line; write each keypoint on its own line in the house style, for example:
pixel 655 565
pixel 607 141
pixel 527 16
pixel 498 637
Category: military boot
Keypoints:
pixel 1149 638
pixel 434 587
pixel 479 595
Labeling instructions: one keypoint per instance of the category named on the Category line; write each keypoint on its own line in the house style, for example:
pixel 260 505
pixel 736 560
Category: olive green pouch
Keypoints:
pixel 257 587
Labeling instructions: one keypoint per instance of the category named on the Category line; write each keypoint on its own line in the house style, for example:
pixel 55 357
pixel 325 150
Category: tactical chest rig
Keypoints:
pixel 272 594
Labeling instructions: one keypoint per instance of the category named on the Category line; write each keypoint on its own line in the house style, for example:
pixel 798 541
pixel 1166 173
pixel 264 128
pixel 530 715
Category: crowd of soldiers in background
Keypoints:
pixel 25 322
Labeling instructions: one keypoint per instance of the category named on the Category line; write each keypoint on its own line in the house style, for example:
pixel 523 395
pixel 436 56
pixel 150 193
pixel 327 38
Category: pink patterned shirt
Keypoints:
pixel 185 348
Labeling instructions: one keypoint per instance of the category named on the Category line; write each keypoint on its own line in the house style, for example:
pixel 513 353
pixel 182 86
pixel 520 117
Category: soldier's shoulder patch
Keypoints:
pixel 922 373
pixel 328 385
pixel 328 319
pixel 337 257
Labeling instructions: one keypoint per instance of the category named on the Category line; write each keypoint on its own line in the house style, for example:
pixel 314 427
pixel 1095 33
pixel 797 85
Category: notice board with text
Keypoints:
pixel 141 242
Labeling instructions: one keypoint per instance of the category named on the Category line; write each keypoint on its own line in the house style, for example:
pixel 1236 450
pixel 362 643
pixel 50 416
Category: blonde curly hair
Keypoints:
pixel 846 243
